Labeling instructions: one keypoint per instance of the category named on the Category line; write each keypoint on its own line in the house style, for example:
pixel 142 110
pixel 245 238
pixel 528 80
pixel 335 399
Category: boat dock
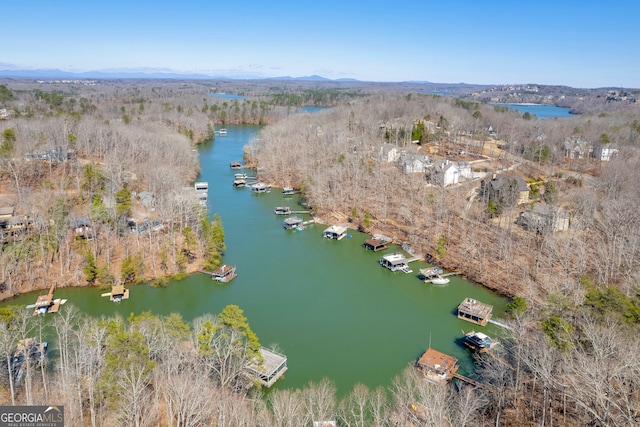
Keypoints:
pixel 437 367
pixel 272 368
pixel 474 311
pixel 46 304
pixel 117 294
pixel 225 273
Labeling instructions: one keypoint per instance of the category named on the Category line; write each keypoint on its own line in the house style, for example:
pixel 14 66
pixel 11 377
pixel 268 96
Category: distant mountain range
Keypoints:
pixel 144 74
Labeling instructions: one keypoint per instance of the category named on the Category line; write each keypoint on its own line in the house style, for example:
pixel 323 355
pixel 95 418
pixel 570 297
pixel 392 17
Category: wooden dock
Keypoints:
pixel 415 258
pixel 468 380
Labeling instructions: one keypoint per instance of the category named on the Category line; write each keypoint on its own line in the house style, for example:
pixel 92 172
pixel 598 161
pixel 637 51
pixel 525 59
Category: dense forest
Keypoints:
pixel 72 150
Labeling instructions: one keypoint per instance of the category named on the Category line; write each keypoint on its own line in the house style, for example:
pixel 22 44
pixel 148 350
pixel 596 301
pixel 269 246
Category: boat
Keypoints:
pixel 479 342
pixel 440 280
pixel 241 176
pixel 288 191
pixel 239 182
pixel 282 210
pixel 222 132
pixel 235 165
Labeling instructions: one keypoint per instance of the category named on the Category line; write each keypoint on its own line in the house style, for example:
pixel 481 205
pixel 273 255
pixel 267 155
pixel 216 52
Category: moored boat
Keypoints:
pixel 479 342
pixel 282 210
pixel 440 281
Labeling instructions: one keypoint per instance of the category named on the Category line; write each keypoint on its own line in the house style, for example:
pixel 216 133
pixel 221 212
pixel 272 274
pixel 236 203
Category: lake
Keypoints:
pixel 542 111
pixel 328 305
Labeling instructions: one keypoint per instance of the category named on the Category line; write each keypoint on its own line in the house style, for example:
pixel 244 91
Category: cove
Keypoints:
pixel 328 305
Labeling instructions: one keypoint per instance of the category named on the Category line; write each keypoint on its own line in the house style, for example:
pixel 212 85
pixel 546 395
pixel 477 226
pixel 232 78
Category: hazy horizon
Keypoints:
pixel 577 44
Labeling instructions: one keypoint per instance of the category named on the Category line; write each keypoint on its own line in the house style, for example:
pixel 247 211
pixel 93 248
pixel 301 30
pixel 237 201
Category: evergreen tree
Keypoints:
pixel 90 269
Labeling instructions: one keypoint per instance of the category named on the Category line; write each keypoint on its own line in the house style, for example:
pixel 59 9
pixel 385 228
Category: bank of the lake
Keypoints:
pixel 328 305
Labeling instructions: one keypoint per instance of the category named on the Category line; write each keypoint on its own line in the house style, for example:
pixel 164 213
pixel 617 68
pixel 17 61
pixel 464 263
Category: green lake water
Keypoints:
pixel 328 305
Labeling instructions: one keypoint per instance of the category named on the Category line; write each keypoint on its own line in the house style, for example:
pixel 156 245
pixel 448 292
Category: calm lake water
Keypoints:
pixel 327 304
pixel 540 110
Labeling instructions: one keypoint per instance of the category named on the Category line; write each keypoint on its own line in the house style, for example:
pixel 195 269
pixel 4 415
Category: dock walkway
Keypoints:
pixel 468 380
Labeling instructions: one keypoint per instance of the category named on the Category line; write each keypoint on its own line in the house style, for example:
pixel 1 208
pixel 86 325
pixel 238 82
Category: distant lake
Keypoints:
pixel 312 109
pixel 227 95
pixel 542 111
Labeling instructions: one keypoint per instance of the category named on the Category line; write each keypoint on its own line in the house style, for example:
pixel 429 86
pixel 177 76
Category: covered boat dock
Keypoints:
pixel 272 368
pixel 117 294
pixel 335 232
pixel 474 311
pixel 225 273
pixel 437 367
pixel 378 242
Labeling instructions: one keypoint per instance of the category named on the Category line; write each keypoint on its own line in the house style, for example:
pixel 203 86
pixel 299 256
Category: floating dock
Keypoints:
pixel 117 294
pixel 474 311
pixel 437 367
pixel 225 273
pixel 46 304
pixel 292 222
pixel 377 242
pixel 272 368
pixel 335 232
pixel 395 262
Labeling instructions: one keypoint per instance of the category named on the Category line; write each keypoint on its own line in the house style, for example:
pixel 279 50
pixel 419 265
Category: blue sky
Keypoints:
pixel 587 43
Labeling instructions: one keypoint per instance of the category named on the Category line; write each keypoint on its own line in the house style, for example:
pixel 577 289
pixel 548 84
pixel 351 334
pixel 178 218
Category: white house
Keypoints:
pixel 445 173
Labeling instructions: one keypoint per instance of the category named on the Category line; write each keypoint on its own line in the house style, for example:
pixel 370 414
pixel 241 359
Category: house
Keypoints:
pixel 147 225
pixel 82 228
pixel 498 186
pixel 445 173
pixel 416 163
pixel 147 199
pixel 576 148
pixel 389 153
pixel 7 211
pixel 14 226
pixel 464 170
pixel 542 217
pixel 56 155
pixel 604 152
